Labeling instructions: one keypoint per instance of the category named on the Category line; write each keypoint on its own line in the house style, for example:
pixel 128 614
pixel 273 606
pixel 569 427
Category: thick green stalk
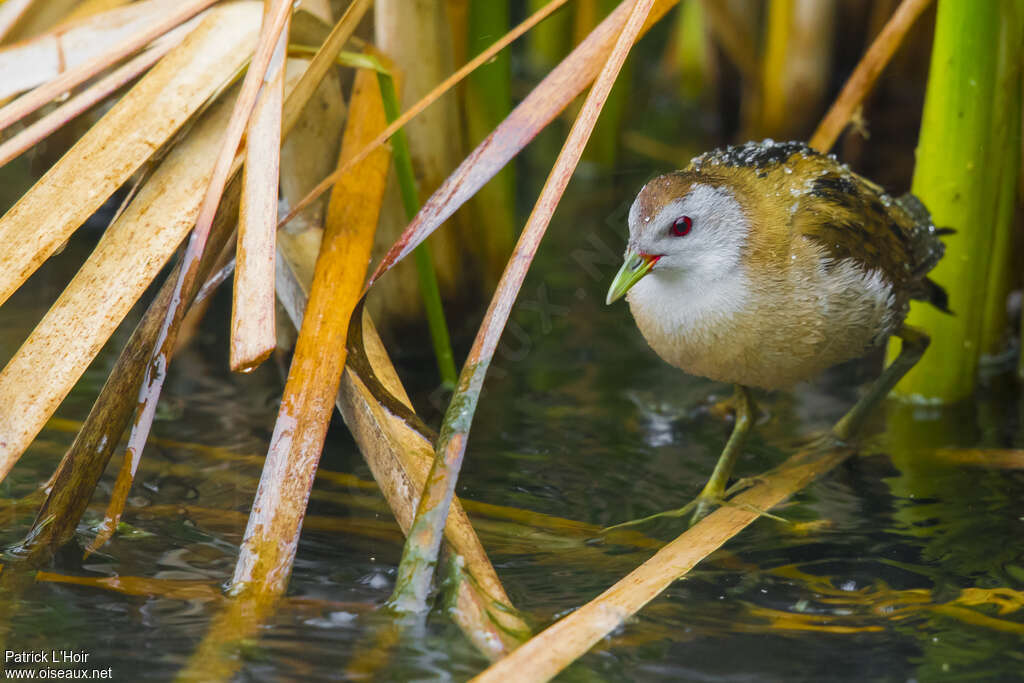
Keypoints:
pixel 957 178
pixel 424 264
pixel 1006 158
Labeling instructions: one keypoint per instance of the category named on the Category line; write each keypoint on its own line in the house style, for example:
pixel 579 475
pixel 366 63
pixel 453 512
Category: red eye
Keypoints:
pixel 682 226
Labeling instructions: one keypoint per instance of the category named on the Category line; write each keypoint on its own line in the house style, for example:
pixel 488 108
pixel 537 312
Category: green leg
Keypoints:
pixel 914 343
pixel 713 493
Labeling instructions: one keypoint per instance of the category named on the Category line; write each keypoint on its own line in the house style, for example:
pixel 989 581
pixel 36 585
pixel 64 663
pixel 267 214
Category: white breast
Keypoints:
pixel 785 328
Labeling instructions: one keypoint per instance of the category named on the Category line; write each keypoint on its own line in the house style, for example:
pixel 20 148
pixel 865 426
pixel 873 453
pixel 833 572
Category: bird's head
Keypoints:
pixel 685 225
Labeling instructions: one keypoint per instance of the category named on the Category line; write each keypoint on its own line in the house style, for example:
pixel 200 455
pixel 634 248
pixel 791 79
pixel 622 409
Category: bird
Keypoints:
pixel 763 264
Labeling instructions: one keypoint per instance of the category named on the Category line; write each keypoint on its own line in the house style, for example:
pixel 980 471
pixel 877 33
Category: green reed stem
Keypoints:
pixel 957 177
pixel 424 264
pixel 411 202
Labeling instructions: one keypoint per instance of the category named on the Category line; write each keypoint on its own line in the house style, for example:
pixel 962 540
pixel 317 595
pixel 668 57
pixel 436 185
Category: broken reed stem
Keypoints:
pixel 419 556
pixel 863 78
pixel 156 369
pixel 36 98
pixel 424 263
pixel 253 331
pixel 271 537
pixel 427 100
pixel 82 466
pixel 550 651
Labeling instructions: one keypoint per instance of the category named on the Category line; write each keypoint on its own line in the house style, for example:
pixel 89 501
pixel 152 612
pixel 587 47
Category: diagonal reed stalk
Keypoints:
pixel 553 649
pixel 425 102
pixel 863 78
pixel 540 107
pixel 38 130
pixel 419 557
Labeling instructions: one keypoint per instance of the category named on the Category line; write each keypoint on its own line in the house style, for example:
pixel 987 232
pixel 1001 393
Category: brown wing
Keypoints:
pixel 847 216
pixel 849 219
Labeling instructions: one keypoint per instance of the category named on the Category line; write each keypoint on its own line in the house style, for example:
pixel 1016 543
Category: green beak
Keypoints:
pixel 635 267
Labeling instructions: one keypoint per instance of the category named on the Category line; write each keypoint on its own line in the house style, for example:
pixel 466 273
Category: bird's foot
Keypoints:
pixel 681 512
pixel 701 506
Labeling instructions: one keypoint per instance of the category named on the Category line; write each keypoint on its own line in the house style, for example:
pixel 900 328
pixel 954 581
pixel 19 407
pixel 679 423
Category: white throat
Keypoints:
pixel 678 304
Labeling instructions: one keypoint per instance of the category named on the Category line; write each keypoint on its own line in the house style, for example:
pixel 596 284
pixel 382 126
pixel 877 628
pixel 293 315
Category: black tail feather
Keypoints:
pixel 936 295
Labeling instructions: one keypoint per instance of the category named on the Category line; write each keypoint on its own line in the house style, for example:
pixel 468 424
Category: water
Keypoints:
pixel 894 569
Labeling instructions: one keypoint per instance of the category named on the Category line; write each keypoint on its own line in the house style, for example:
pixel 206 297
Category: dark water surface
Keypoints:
pixel 872 581
pixel 896 566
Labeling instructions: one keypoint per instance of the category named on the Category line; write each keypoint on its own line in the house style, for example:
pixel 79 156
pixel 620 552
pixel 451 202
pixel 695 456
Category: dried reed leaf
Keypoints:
pixel 38 130
pixel 568 639
pixel 103 292
pixel 38 17
pixel 415 573
pixel 57 87
pixel 253 333
pixel 11 11
pixel 188 282
pixel 79 471
pixel 43 58
pixel 266 556
pixel 88 8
